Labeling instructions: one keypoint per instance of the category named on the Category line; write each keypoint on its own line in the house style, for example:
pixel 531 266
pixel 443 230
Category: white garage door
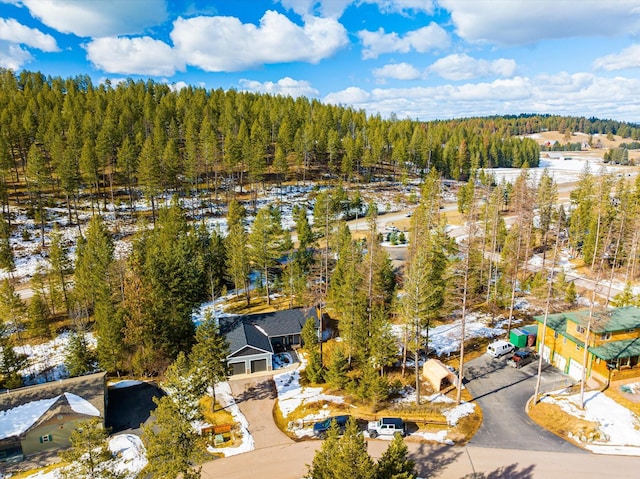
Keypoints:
pixel 546 352
pixel 560 362
pixel 575 370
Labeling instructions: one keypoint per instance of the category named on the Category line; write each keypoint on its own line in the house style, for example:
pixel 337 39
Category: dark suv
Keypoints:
pixel 522 358
pixel 321 428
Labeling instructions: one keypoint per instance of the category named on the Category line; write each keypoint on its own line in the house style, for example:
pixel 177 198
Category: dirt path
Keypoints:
pixel 256 398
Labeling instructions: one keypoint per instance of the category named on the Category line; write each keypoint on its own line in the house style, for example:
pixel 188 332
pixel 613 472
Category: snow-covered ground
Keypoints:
pixel 129 458
pixel 292 395
pixel 46 360
pixel 619 428
pixel 224 396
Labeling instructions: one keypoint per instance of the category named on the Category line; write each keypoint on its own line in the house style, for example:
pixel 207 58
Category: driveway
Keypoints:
pixel 129 408
pixel 256 398
pixel 502 392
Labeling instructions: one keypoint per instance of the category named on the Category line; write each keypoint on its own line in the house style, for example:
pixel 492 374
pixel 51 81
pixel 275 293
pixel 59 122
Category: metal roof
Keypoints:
pixel 617 349
pixel 602 321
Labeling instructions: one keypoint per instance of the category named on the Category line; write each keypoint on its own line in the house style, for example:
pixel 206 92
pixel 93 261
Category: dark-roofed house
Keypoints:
pixel 613 343
pixel 254 338
pixel 38 418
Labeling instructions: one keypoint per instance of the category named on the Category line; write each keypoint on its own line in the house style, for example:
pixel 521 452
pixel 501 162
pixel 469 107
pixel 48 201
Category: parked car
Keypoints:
pixel 386 426
pixel 321 428
pixel 499 348
pixel 522 358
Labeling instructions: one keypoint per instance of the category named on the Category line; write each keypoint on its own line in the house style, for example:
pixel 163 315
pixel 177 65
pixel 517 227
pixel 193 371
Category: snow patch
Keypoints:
pixel 81 406
pixel 224 396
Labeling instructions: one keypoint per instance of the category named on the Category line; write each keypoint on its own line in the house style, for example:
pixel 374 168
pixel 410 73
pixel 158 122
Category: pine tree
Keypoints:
pixel 60 264
pixel 394 463
pixel 10 362
pixel 12 308
pixel 372 387
pixel 238 255
pixel 344 457
pixel 7 259
pixel 352 460
pixel 570 294
pixel 171 441
pixel 314 370
pixel 209 354
pixel 79 358
pixel 336 374
pixel 39 315
pixel 309 334
pixel 267 242
pixel 89 456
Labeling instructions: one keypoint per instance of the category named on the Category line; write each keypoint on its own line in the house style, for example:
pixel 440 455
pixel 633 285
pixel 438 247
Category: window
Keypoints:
pixel 555 335
pixel 580 329
pixel 597 360
pixel 46 438
pixel 605 336
pixel 577 347
pixel 631 330
pixel 564 340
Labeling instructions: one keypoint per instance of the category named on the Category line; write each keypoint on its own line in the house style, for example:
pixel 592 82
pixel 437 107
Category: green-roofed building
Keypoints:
pixel 613 342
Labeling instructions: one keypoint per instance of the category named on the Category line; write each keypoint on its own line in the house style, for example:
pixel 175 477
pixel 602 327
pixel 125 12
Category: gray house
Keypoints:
pixel 254 339
pixel 39 418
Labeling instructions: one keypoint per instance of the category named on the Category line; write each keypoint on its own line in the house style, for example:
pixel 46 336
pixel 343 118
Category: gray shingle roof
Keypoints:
pixel 91 387
pixel 256 329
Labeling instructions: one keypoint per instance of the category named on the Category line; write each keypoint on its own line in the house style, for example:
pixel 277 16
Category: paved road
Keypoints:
pixel 290 461
pixel 543 455
pixel 502 392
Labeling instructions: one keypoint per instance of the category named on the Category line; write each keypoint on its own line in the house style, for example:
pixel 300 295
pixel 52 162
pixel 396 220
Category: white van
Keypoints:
pixel 500 348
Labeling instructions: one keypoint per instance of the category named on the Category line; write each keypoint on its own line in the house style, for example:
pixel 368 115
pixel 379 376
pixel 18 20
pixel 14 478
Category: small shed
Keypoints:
pixel 523 337
pixel 438 374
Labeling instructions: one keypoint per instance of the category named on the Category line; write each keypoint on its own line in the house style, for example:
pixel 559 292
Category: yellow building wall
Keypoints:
pixel 563 347
pixel 567 349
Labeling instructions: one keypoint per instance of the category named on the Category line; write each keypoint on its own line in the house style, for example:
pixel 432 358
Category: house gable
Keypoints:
pixel 247 351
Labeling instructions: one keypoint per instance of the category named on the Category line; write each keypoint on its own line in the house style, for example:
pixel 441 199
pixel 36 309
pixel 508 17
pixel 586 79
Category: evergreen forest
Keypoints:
pixel 78 156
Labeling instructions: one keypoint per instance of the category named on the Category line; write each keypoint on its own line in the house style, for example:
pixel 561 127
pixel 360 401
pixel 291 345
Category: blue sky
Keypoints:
pixel 419 59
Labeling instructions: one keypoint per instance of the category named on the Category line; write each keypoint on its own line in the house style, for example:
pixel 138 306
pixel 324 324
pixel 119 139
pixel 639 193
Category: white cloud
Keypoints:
pixel 349 96
pixel 525 21
pixel 425 39
pixel 126 56
pixel 13 31
pixel 335 8
pixel 401 6
pixel 176 86
pixel 225 44
pixel 627 58
pixel 13 56
pixel 580 94
pixel 98 18
pixel 463 67
pixel 285 86
pixel 397 71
